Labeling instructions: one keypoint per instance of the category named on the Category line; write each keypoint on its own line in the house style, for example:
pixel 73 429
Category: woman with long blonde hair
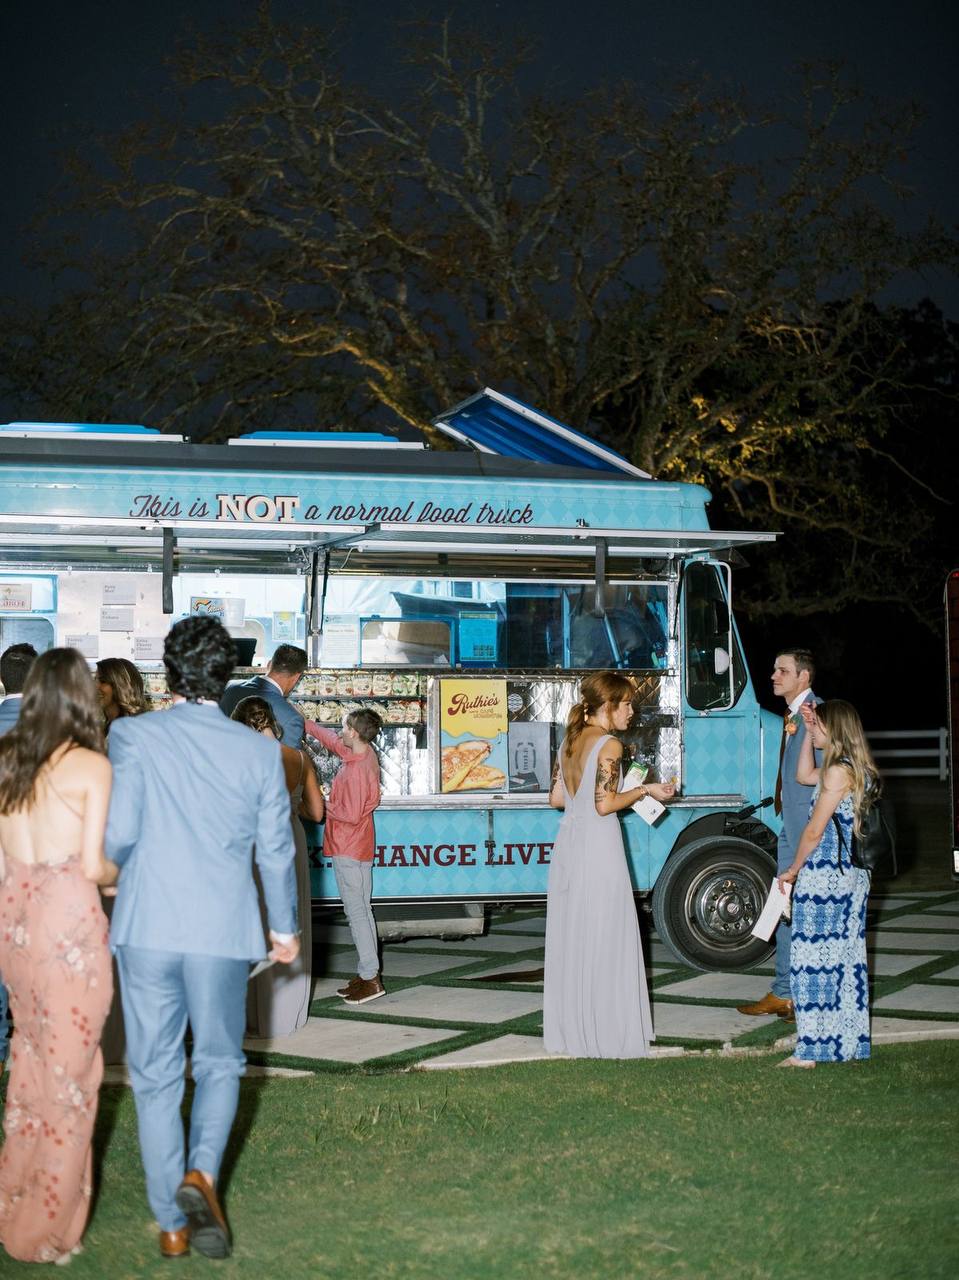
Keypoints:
pixel 595 1001
pixel 828 974
pixel 54 792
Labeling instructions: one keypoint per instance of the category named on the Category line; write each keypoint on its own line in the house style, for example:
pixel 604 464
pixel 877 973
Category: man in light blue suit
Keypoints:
pixel 282 674
pixel 793 674
pixel 15 664
pixel 194 794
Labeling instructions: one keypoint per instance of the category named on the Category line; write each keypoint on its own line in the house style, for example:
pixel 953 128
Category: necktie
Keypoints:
pixel 778 803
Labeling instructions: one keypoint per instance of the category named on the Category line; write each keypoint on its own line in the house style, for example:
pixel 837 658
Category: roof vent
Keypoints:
pixel 111 431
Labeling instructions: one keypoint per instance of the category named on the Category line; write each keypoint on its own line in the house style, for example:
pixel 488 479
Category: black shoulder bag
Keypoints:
pixel 874 849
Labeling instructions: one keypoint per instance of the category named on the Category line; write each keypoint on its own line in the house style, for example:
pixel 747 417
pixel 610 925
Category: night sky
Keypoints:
pixel 75 64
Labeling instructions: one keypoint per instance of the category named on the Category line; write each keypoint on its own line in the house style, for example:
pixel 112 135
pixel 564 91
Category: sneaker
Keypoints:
pixel 366 989
pixel 348 989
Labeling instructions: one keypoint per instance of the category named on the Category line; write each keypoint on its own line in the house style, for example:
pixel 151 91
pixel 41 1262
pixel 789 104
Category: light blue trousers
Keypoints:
pixel 162 991
pixel 354 880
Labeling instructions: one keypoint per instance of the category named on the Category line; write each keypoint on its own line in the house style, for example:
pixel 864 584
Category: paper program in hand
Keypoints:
pixel 772 911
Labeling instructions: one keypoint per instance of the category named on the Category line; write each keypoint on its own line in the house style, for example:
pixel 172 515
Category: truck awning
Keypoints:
pixel 80 539
pixel 494 423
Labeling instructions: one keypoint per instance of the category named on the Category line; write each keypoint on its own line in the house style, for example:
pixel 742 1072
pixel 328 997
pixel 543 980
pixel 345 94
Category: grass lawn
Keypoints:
pixel 692 1167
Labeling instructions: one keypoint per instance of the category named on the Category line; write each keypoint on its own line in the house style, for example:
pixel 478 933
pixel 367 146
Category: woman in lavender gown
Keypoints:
pixel 595 1002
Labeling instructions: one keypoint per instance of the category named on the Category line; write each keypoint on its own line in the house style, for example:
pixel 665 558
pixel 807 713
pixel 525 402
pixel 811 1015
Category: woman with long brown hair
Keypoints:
pixel 122 692
pixel 827 954
pixel 595 1002
pixel 278 1001
pixel 54 794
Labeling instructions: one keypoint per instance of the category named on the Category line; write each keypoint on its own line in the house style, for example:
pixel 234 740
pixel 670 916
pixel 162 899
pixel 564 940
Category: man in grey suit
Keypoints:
pixel 196 797
pixel 15 664
pixel 282 675
pixel 792 678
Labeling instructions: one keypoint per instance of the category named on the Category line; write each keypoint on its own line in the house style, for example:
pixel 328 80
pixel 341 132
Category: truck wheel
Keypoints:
pixel 707 899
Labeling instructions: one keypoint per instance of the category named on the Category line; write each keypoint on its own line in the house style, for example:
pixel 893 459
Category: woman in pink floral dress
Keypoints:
pixel 54 793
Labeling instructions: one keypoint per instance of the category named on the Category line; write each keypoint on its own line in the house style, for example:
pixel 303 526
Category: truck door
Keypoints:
pixel 714 676
pixel 712 887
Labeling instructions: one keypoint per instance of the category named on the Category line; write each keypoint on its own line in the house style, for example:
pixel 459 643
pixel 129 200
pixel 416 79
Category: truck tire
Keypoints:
pixel 706 901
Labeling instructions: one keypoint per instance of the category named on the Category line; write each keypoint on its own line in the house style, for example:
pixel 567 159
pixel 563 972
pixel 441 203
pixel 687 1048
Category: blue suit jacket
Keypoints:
pixel 287 717
pixel 9 713
pixel 795 796
pixel 193 793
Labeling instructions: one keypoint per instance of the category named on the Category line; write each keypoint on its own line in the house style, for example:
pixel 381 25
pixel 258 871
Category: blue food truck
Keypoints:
pixel 462 594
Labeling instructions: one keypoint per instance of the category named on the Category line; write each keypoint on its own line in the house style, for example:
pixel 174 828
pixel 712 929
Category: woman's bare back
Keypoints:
pixel 51 829
pixel 607 762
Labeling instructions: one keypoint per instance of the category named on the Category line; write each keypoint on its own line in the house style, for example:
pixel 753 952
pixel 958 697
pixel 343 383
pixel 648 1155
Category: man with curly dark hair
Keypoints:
pixel 194 794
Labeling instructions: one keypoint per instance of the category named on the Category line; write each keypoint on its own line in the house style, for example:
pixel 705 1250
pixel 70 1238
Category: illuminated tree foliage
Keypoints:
pixel 692 278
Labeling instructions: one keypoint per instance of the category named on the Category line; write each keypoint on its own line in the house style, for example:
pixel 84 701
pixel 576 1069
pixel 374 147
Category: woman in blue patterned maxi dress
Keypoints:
pixel 828 974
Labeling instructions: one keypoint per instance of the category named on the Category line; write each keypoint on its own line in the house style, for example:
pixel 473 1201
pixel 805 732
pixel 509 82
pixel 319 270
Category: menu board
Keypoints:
pixel 478 638
pixel 473 735
pixel 341 642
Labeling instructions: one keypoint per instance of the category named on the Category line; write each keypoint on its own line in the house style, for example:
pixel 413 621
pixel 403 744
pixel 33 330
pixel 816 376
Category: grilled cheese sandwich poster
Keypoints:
pixel 473 735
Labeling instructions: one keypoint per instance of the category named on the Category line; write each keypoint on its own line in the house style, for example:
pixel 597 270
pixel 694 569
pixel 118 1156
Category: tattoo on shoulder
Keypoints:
pixel 555 778
pixel 607 778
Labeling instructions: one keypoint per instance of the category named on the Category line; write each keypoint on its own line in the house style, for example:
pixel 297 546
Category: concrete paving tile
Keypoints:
pixel 535 924
pixel 527 966
pixel 346 1040
pixel 331 934
pixel 509 967
pixel 505 942
pixel 922 997
pixel 700 1022
pixel 951 908
pixel 323 988
pixel 923 893
pixel 887 939
pixel 899 1030
pixel 889 904
pixel 923 920
pixel 718 986
pixel 951 974
pixel 494 1053
pixel 884 965
pixel 412 964
pixel 659 953
pixel 457 1004
pixel 491 1053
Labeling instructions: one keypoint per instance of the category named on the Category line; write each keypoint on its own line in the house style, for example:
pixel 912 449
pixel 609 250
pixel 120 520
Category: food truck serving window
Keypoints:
pixel 519 625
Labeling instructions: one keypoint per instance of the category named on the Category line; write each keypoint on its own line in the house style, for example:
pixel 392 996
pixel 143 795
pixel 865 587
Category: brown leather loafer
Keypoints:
pixel 175 1244
pixel 767 1005
pixel 789 1013
pixel 196 1199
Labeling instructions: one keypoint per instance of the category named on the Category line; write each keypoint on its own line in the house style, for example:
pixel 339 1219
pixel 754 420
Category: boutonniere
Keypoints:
pixel 792 724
